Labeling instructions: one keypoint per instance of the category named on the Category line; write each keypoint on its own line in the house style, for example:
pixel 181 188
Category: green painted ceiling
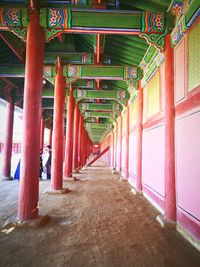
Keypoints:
pixel 122 50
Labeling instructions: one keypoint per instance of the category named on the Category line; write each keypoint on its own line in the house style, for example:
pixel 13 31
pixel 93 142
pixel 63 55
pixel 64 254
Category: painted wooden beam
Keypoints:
pixel 78 72
pixel 120 96
pixel 101 114
pixel 69 57
pixel 99 106
pixel 89 84
pixel 99 21
pixel 12 71
pixel 93 119
pixel 99 125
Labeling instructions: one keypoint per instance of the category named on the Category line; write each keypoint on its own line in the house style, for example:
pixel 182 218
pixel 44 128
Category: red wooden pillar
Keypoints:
pixel 119 148
pixel 85 147
pixel 75 143
pixel 69 135
pixel 80 140
pixel 170 190
pixel 116 146
pixel 8 140
pixel 58 130
pixel 126 170
pixel 112 150
pixel 139 139
pixel 82 144
pixel 42 126
pixel 64 144
pixel 29 182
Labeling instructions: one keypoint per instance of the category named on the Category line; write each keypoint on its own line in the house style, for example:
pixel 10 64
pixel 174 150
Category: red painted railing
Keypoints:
pixel 97 157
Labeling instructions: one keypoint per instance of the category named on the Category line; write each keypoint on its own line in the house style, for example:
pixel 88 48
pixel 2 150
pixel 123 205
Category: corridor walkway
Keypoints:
pixel 99 224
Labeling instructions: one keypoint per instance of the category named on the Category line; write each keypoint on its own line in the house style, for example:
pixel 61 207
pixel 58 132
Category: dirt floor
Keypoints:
pixel 100 223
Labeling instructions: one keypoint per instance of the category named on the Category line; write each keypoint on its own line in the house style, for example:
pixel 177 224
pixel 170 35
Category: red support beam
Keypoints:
pixel 116 145
pixel 76 139
pixel 119 144
pixel 80 140
pixel 69 135
pixel 170 189
pixel 58 130
pixel 126 168
pixel 112 151
pixel 82 144
pixel 8 140
pixel 29 182
pixel 139 130
pixel 96 158
pixel 98 48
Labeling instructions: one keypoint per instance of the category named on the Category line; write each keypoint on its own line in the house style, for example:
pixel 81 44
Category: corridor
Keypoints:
pixel 100 223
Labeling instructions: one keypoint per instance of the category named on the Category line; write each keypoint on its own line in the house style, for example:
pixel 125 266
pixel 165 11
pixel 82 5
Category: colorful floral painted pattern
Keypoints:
pixel 74 71
pixel 84 106
pixel 122 94
pixel 79 2
pixel 153 22
pixel 176 8
pixel 130 73
pixel 80 93
pixel 10 17
pixel 178 32
pixel 59 18
pixel 47 72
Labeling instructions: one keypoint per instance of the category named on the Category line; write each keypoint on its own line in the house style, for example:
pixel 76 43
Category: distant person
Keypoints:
pixel 48 163
pixel 41 165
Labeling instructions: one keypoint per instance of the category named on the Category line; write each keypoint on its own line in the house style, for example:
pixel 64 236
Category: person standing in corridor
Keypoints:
pixel 48 163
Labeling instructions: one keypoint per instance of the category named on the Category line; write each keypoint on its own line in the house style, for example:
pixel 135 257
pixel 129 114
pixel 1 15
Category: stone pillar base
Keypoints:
pixel 114 172
pixel 6 178
pixel 13 223
pixel 70 178
pixel 76 171
pixel 136 192
pixel 123 179
pixel 57 192
pixel 165 223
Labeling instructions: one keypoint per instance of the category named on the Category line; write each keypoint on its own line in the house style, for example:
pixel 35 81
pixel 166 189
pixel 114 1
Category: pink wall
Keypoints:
pixel 187 145
pixel 188 163
pixel 132 158
pixel 153 159
pixel 119 145
pixel 123 155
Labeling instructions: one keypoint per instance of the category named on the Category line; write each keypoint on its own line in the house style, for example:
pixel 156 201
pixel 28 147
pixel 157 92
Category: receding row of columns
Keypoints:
pixel 116 140
pixel 78 145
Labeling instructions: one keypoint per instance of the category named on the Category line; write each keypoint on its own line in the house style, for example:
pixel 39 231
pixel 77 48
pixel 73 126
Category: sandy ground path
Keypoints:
pixel 99 224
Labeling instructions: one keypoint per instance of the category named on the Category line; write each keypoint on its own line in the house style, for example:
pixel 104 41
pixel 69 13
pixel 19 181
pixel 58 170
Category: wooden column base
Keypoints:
pixel 165 223
pixel 14 223
pixel 70 178
pixel 136 192
pixel 6 178
pixel 57 192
